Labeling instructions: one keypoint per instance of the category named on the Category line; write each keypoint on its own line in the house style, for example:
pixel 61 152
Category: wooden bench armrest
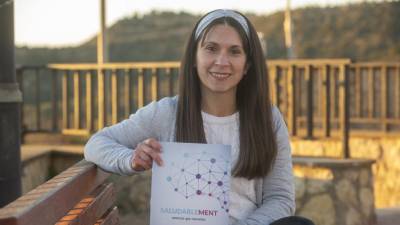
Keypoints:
pixel 51 201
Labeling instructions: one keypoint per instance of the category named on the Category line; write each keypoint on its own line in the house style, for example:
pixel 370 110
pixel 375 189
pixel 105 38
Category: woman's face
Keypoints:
pixel 220 61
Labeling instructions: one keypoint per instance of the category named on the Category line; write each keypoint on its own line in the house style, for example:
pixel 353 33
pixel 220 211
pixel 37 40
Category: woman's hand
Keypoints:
pixel 145 153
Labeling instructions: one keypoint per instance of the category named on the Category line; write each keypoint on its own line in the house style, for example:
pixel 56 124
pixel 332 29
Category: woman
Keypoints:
pixel 223 98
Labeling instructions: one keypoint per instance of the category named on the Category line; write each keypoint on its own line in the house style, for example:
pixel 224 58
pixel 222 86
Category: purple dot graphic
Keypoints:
pixel 201 174
pixel 227 210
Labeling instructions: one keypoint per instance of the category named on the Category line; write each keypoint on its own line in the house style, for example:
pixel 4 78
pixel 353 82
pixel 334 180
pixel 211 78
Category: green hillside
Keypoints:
pixel 364 31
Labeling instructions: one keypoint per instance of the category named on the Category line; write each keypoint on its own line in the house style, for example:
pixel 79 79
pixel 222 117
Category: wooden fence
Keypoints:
pixel 319 98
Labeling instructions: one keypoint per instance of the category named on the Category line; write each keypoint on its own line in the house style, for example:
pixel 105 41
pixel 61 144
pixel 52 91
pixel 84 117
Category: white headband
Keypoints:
pixel 219 13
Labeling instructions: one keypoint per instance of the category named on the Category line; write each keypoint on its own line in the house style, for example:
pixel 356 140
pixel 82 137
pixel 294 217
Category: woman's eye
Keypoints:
pixel 211 48
pixel 236 51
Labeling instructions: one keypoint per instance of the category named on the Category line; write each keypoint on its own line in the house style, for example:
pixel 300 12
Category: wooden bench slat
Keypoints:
pixel 91 208
pixel 110 218
pixel 50 201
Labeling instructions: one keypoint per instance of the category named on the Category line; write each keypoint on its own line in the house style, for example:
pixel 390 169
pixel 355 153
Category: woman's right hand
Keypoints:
pixel 145 153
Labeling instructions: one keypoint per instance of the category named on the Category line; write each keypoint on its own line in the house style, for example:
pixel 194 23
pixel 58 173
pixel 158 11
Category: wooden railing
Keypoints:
pixel 318 97
pixel 81 100
pixel 78 196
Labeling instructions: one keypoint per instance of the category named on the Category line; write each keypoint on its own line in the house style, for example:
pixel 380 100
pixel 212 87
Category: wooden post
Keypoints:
pixel 334 93
pixel 89 102
pixel 327 101
pixel 114 97
pixel 54 100
pixel 140 88
pixel 357 91
pixel 10 99
pixel 102 57
pixel 371 92
pixel 292 100
pixel 154 84
pixel 276 82
pixel 128 90
pixel 77 105
pixel 344 109
pixel 169 73
pixel 397 92
pixel 100 98
pixel 65 105
pixel 272 75
pixel 37 100
pixel 102 47
pixel 384 99
pixel 310 105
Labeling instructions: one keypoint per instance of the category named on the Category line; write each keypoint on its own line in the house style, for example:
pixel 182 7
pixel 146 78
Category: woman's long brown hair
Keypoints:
pixel 258 146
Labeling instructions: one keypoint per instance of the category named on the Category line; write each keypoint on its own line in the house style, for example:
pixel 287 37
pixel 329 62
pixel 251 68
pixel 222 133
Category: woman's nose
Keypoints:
pixel 222 59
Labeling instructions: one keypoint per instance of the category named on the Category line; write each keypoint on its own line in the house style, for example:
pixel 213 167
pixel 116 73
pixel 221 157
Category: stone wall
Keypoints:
pixel 334 191
pixel 35 171
pixel 133 198
pixel 386 152
pixel 38 169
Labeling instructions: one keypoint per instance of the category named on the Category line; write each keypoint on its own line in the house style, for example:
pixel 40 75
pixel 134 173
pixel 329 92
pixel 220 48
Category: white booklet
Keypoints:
pixel 192 187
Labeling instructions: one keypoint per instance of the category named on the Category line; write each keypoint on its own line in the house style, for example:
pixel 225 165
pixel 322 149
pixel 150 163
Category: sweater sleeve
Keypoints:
pixel 278 198
pixel 112 147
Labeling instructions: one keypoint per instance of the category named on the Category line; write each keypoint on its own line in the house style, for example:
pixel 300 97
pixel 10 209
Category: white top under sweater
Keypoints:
pixel 225 130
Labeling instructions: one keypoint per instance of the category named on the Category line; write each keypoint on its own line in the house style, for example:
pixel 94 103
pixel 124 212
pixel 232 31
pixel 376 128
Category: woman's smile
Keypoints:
pixel 220 76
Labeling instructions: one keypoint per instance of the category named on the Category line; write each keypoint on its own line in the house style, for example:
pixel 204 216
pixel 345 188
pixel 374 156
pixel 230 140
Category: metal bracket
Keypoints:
pixel 9 92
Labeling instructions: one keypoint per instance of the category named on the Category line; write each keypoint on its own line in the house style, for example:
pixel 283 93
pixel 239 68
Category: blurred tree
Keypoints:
pixel 363 31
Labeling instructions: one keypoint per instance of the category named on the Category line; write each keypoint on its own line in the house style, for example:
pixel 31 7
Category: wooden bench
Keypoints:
pixel 77 196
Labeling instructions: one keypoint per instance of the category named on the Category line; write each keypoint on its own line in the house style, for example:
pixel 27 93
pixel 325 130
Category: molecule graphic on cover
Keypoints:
pixel 202 175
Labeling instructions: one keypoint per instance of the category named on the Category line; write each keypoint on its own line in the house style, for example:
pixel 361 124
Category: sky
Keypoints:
pixel 59 23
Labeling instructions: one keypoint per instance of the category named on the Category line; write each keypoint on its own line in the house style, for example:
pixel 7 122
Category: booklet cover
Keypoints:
pixel 192 187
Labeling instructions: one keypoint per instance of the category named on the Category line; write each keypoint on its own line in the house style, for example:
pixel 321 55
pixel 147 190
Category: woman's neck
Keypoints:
pixel 219 105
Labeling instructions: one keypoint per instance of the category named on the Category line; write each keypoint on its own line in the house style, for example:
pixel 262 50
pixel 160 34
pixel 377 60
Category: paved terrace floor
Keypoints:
pixel 385 216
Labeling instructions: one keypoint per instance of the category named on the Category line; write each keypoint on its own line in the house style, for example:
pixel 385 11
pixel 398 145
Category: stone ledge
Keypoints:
pixel 312 161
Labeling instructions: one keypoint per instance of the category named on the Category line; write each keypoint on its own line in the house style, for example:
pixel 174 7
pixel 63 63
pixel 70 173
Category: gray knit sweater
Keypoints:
pixel 111 149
